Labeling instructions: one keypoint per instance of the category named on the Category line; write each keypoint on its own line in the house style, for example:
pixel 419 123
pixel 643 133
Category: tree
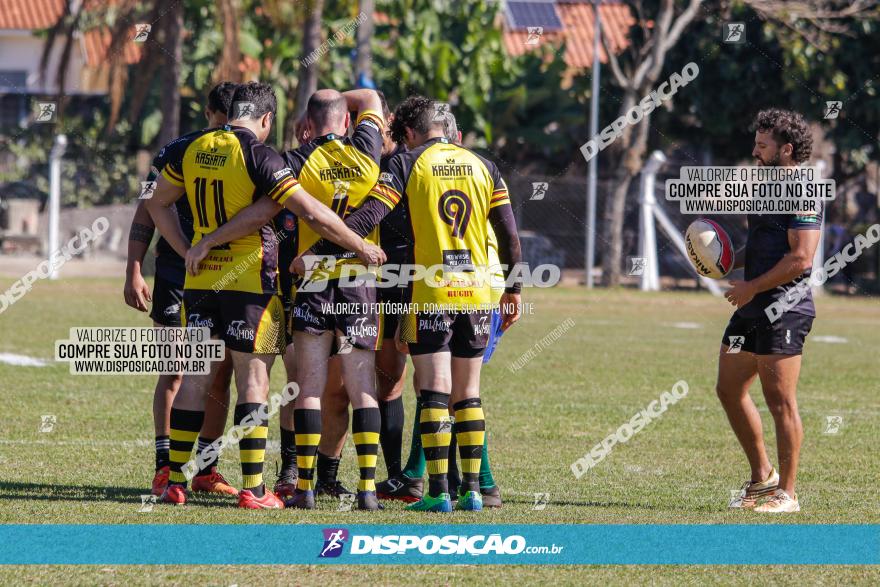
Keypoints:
pixel 308 70
pixel 363 62
pixel 637 76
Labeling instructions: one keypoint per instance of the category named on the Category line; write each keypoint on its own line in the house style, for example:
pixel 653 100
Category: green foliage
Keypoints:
pixel 94 170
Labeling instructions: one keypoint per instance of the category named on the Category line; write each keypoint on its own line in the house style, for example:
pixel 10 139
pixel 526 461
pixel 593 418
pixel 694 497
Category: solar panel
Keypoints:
pixel 523 15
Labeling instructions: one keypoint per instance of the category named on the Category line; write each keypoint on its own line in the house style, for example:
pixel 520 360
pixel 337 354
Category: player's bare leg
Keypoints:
pixel 779 376
pixel 736 373
pixel 334 429
pixel 311 353
pixel 251 372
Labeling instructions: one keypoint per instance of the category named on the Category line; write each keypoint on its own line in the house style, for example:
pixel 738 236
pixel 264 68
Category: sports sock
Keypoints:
pixel 452 475
pixel 391 434
pixel 214 456
pixel 162 443
pixel 415 464
pixel 486 478
pixel 436 433
pixel 307 426
pixel 288 451
pixel 470 426
pixel 328 467
pixel 365 425
pixel 252 447
pixel 185 426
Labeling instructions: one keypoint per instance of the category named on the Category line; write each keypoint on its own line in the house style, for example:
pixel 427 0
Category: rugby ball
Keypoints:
pixel 709 248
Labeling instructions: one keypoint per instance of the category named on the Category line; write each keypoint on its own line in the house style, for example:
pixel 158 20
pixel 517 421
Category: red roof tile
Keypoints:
pixel 577 21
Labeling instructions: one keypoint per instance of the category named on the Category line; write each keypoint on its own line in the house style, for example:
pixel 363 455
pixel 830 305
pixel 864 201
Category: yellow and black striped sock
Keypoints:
pixel 436 432
pixel 365 425
pixel 470 431
pixel 252 447
pixel 185 426
pixel 307 427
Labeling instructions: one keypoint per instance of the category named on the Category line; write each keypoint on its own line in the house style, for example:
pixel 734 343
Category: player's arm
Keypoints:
pixel 140 235
pixel 247 221
pixel 326 223
pixel 382 199
pixel 803 244
pixel 159 206
pixel 509 253
pixel 363 100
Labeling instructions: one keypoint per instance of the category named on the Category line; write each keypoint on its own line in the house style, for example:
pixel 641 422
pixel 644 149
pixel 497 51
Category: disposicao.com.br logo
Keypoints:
pixel 430 544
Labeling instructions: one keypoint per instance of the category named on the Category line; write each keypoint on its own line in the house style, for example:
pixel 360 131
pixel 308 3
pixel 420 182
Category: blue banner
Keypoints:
pixel 441 544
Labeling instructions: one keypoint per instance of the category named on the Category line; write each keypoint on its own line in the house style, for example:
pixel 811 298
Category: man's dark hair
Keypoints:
pixel 386 112
pixel 262 96
pixel 417 113
pixel 324 111
pixel 786 126
pixel 220 97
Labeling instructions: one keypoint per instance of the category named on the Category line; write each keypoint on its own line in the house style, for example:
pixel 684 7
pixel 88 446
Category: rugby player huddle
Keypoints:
pixel 257 247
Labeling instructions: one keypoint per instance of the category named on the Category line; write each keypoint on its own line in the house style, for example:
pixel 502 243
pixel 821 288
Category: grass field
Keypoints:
pixel 624 350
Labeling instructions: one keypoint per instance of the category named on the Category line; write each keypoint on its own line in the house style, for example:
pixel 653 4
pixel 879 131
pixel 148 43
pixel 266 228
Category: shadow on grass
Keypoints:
pixel 51 492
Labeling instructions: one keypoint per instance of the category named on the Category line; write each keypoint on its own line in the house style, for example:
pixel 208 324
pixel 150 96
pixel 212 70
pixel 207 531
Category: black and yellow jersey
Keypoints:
pixel 449 191
pixel 339 172
pixel 224 170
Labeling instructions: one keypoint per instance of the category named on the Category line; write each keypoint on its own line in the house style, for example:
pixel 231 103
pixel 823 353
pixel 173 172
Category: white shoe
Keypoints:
pixel 752 491
pixel 781 502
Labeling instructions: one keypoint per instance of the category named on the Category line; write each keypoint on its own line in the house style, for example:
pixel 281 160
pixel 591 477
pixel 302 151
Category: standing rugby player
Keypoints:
pixel 221 172
pixel 452 196
pixel 166 301
pixel 339 172
pixel 778 252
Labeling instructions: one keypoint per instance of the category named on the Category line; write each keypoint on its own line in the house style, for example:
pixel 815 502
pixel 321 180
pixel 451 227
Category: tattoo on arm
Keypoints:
pixel 141 232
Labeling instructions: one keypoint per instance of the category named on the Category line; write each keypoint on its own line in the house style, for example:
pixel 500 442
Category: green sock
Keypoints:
pixel 415 464
pixel 486 479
